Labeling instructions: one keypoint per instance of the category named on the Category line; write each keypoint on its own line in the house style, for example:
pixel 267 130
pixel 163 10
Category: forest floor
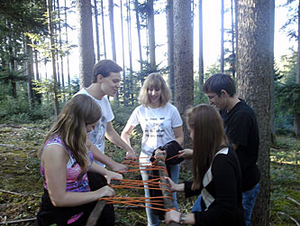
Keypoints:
pixel 21 184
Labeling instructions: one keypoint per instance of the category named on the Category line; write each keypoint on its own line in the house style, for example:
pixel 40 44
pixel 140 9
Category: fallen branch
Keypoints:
pixel 19 194
pixel 293 200
pixel 96 213
pixel 163 183
pixel 18 221
pixel 7 145
pixel 293 219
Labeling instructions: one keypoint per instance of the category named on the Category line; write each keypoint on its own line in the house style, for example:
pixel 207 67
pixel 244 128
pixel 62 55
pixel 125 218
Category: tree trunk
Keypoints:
pixel 60 54
pixel 103 29
pixel 29 72
pixel 254 78
pixel 50 28
pixel 97 30
pixel 67 42
pixel 150 14
pixel 233 35
pixel 170 37
pixel 112 29
pixel 138 28
pixel 297 115
pixel 201 61
pixel 129 34
pixel 37 75
pixel 130 83
pixel 123 54
pixel 183 61
pixel 222 37
pixel 85 42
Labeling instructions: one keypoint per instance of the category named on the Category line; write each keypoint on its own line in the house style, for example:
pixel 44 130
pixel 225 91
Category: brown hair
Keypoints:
pixel 104 68
pixel 154 81
pixel 70 126
pixel 208 128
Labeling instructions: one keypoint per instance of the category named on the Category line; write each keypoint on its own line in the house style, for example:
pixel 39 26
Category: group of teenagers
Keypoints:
pixel 76 172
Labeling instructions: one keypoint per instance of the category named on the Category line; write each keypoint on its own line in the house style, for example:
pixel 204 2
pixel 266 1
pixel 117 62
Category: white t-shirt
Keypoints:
pixel 157 125
pixel 97 136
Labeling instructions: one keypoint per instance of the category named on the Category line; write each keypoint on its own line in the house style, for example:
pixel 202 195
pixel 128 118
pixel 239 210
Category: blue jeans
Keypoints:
pixel 249 198
pixel 153 220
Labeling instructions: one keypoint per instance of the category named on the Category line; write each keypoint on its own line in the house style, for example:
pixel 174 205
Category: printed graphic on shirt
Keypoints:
pixel 97 136
pixel 155 127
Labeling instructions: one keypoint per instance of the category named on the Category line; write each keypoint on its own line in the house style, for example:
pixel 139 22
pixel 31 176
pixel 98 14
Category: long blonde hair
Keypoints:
pixel 70 126
pixel 209 134
pixel 155 81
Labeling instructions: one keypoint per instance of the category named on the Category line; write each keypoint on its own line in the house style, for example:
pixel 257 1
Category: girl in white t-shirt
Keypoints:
pixel 160 122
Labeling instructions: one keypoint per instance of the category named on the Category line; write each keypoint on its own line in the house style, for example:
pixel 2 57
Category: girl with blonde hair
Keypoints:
pixel 161 123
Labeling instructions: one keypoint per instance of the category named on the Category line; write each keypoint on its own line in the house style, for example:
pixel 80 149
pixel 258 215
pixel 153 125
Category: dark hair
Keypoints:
pixel 218 82
pixel 104 68
pixel 207 124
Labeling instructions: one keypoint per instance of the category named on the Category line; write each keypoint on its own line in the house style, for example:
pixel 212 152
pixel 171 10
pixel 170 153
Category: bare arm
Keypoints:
pixel 178 134
pixel 186 153
pixel 99 156
pixel 54 160
pixel 125 135
pixel 115 138
pixel 105 172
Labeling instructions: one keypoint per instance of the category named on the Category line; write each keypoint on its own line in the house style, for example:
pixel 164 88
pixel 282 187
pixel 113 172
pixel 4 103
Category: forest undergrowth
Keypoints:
pixel 21 184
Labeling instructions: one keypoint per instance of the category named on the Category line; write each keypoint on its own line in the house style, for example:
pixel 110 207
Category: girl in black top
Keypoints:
pixel 216 173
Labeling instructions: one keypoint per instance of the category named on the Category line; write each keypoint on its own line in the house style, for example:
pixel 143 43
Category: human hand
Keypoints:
pixel 172 184
pixel 105 191
pixel 186 153
pixel 131 155
pixel 162 153
pixel 172 216
pixel 117 167
pixel 112 175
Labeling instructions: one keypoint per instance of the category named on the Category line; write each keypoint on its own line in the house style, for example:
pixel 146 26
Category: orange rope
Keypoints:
pixel 153 184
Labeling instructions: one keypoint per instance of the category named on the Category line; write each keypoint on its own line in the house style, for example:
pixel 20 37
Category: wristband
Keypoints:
pixel 182 218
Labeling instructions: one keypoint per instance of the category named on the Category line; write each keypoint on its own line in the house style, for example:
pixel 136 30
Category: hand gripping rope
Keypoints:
pixel 157 183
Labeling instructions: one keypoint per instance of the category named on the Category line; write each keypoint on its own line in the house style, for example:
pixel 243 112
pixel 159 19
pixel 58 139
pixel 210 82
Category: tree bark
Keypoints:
pixel 297 115
pixel 170 37
pixel 222 37
pixel 50 28
pixel 150 14
pixel 85 42
pixel 112 29
pixel 168 203
pixel 254 78
pixel 233 35
pixel 183 61
pixel 130 80
pixel 67 43
pixel 123 54
pixel 103 28
pixel 138 28
pixel 201 60
pixel 97 30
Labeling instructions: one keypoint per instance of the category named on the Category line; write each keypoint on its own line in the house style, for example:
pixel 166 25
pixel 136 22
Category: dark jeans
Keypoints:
pixel 249 198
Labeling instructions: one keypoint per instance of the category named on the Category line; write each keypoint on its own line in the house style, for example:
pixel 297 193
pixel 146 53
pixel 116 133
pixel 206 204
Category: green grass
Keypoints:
pixel 285 181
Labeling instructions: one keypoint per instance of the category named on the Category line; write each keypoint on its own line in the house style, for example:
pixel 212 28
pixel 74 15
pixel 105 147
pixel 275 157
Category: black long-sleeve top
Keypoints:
pixel 221 191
